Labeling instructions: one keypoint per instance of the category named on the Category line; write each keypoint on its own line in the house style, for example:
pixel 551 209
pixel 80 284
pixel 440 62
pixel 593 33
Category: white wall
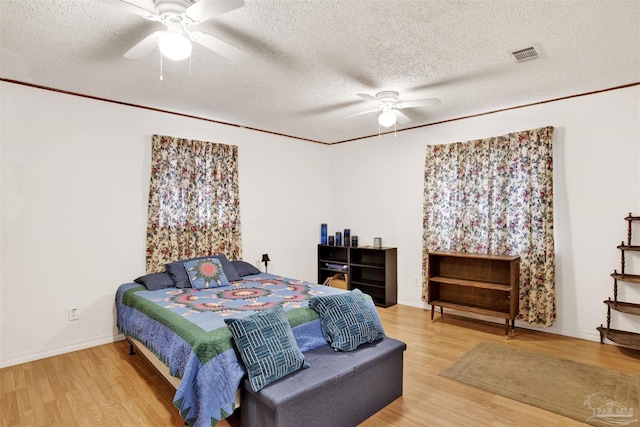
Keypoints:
pixel 75 183
pixel 377 190
pixel 75 176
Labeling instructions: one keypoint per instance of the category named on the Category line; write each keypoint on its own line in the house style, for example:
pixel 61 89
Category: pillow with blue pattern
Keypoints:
pixel 206 273
pixel 181 278
pixel 266 345
pixel 347 320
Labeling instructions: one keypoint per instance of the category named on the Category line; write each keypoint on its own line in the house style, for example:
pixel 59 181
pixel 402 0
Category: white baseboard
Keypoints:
pixel 106 339
pixel 412 303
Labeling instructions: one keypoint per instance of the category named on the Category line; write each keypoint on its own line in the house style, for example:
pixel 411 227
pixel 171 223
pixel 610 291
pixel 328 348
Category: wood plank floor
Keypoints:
pixel 104 386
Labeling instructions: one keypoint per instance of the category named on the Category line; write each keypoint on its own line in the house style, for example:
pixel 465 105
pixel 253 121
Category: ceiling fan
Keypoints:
pixel 179 15
pixel 389 107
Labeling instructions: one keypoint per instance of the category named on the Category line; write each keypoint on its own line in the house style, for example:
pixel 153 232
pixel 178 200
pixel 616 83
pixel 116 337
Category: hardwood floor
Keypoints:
pixel 104 386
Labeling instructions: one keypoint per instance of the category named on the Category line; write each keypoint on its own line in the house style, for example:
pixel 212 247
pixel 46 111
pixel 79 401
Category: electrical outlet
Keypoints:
pixel 73 313
pixel 416 281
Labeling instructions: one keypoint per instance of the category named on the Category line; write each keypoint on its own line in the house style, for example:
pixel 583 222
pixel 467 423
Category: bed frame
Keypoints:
pixel 162 369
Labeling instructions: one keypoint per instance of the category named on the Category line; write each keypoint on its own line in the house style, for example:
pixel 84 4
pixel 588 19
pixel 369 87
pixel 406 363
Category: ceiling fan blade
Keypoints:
pixel 328 108
pixel 145 46
pixel 207 9
pixel 367 96
pixel 360 113
pixel 431 102
pixel 130 7
pixel 402 118
pixel 220 47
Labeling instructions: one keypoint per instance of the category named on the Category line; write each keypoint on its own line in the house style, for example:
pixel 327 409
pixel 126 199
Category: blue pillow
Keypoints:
pixel 267 346
pixel 244 268
pixel 206 273
pixel 347 320
pixel 155 281
pixel 181 278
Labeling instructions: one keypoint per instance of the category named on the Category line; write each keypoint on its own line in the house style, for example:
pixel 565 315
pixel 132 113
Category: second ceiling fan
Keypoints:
pixel 389 107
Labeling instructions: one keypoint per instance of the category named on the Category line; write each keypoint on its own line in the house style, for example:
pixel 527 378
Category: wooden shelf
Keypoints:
pixel 374 284
pixel 471 283
pixel 629 248
pixel 333 270
pixel 624 307
pixel 477 283
pixel 631 278
pixel 470 255
pixel 471 309
pixel 334 261
pixel 378 266
pixel 621 338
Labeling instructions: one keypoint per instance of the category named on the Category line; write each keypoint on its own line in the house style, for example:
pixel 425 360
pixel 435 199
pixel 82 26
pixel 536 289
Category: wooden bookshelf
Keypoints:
pixel 476 283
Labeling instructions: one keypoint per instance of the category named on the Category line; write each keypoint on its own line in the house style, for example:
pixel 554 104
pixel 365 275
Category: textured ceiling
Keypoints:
pixel 310 58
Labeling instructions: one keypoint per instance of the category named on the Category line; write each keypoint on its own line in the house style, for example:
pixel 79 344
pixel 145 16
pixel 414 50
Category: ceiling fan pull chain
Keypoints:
pixel 190 66
pixel 161 78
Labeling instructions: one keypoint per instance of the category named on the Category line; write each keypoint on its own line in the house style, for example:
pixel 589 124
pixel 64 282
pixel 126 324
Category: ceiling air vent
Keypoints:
pixel 526 54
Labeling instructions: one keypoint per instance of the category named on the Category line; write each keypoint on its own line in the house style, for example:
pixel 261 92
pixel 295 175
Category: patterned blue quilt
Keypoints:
pixel 185 329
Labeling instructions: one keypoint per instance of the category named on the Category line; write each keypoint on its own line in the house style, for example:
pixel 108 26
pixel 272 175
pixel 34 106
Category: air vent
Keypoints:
pixel 526 54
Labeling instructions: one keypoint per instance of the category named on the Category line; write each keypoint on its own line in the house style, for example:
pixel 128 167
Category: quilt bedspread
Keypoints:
pixel 185 329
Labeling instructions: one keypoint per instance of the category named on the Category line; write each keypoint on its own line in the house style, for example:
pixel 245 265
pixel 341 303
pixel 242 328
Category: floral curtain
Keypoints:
pixel 495 196
pixel 194 203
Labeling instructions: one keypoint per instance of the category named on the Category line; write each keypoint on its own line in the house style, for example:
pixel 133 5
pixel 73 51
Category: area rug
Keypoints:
pixel 593 395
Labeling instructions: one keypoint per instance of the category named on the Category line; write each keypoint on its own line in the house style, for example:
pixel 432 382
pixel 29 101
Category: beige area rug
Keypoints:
pixel 597 396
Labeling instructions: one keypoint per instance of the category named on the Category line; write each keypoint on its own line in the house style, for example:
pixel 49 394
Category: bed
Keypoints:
pixel 185 329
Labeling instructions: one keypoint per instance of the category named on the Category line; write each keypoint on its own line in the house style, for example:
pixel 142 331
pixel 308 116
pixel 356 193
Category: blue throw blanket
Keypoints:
pixel 185 329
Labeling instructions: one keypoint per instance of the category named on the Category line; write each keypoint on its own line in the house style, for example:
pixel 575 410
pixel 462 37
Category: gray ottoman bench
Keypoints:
pixel 339 389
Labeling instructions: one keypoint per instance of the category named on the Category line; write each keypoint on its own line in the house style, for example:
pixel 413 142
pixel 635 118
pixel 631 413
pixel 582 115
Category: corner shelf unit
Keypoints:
pixel 622 338
pixel 372 270
pixel 476 283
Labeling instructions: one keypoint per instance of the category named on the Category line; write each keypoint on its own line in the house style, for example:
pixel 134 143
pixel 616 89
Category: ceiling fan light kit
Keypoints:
pixel 387 119
pixel 174 45
pixel 388 107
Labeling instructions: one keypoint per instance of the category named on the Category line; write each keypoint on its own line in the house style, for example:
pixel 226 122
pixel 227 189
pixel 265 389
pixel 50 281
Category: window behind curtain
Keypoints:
pixel 495 196
pixel 194 203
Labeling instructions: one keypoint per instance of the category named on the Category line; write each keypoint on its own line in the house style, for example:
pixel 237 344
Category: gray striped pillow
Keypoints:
pixel 266 345
pixel 347 320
